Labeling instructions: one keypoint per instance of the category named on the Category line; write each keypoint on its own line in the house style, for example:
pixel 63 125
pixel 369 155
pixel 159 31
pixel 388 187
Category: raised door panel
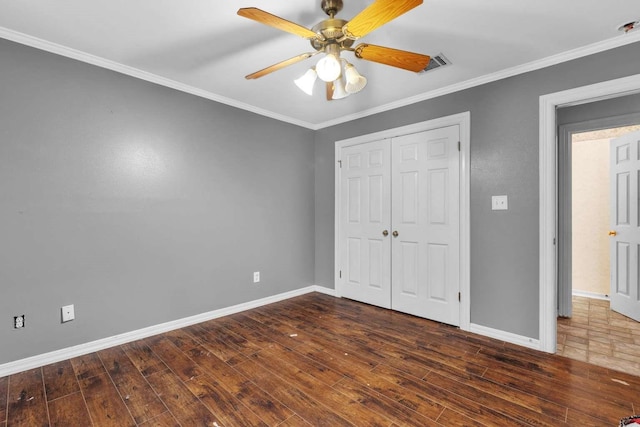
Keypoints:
pixel 376 196
pixel 437 194
pixel 406 281
pixel 354 200
pixel 437 260
pixel 409 198
pixel 353 271
pixel 375 260
pixel 622 199
pixel 622 268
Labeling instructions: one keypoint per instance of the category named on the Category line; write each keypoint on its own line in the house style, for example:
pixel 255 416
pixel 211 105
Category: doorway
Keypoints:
pixel 548 183
pixel 587 329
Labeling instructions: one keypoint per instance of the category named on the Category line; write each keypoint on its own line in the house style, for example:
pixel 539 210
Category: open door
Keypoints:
pixel 625 225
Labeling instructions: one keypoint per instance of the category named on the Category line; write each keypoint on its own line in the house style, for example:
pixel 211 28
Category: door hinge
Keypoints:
pixel 340 163
pixel 458 145
pixel 341 274
pixel 459 297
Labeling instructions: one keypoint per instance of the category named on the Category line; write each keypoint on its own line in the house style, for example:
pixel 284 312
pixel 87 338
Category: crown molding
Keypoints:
pixel 492 77
pixel 78 55
pixel 591 49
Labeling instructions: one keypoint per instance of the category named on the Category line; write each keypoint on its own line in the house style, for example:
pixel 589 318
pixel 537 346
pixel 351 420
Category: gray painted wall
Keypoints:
pixel 598 110
pixel 503 160
pixel 137 203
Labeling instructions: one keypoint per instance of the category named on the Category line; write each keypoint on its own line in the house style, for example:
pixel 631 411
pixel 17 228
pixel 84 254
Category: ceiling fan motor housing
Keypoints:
pixel 331 30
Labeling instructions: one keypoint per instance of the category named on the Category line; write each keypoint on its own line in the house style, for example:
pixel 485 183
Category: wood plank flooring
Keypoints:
pixel 320 361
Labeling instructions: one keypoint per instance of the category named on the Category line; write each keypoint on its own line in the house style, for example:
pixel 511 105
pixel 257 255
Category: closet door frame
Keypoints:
pixel 464 121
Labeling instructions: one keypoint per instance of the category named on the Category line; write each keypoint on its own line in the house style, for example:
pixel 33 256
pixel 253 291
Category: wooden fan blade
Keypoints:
pixel 329 91
pixel 375 15
pixel 279 65
pixel 396 58
pixel 266 18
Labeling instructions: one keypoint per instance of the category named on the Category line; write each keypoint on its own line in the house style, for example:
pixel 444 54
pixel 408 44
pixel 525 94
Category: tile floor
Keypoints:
pixel 597 335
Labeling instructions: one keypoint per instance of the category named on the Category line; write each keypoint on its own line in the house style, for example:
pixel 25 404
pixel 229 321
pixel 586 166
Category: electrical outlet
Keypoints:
pixel 18 322
pixel 68 313
pixel 256 276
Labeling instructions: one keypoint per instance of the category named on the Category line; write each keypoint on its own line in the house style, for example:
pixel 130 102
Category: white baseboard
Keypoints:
pixel 325 290
pixel 90 347
pixel 588 294
pixel 101 344
pixel 506 336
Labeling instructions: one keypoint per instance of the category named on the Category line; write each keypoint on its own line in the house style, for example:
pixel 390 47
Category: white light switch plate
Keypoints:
pixel 499 203
pixel 68 313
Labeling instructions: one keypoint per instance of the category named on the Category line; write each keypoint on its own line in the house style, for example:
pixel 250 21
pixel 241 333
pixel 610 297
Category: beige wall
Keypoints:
pixel 590 220
pixel 590 209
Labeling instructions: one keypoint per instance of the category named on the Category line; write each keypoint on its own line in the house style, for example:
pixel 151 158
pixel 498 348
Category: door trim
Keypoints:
pixel 548 184
pixel 464 121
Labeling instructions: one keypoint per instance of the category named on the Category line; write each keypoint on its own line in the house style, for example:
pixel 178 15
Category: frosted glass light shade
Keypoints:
pixel 338 89
pixel 306 82
pixel 355 82
pixel 328 68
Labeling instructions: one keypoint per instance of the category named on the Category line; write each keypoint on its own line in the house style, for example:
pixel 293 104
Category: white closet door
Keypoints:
pixel 365 214
pixel 425 216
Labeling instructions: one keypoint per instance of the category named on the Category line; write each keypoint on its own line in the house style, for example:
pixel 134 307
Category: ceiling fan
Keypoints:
pixel 332 36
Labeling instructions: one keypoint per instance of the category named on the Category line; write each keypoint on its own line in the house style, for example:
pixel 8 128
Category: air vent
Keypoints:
pixel 437 61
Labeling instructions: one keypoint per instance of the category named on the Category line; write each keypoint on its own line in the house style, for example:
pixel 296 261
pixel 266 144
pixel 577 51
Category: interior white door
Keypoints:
pixel 425 224
pixel 365 215
pixel 625 225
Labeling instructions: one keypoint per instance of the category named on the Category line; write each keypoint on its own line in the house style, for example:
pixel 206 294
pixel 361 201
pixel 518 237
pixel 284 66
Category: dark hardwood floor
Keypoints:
pixel 321 361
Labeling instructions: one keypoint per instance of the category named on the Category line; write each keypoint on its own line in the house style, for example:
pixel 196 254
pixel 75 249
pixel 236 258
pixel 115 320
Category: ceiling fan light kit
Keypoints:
pixel 355 81
pixel 332 36
pixel 328 67
pixel 339 91
pixel 306 82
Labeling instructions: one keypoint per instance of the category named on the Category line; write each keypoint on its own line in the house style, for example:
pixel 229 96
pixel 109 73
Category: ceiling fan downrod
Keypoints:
pixel 331 7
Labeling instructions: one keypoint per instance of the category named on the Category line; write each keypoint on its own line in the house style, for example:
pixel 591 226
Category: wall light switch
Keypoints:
pixel 68 313
pixel 499 203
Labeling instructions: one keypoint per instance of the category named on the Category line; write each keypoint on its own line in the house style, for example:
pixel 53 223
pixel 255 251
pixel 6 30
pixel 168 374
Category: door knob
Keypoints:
pixel 613 233
pixel 385 233
pixel 395 234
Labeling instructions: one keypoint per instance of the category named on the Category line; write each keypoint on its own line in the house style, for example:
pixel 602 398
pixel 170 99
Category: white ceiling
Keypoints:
pixel 203 47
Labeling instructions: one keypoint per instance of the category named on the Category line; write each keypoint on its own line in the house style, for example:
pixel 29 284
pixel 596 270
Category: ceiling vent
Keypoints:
pixel 437 61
